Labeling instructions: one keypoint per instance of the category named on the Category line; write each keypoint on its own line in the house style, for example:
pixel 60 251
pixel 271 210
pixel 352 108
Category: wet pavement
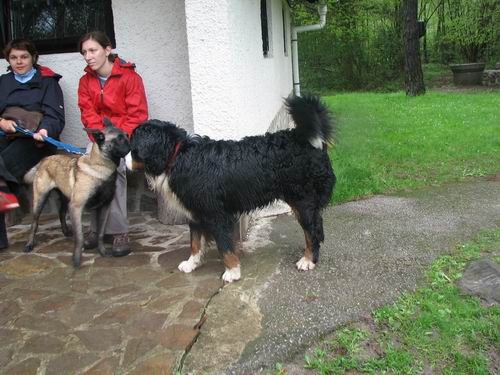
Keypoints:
pixel 140 315
pixel 135 314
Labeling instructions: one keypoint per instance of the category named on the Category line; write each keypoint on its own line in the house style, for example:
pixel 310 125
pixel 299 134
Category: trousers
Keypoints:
pixel 18 156
pixel 117 220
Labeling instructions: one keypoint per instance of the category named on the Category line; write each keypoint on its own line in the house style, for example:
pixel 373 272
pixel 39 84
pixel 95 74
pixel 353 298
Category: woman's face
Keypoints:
pixel 20 61
pixel 95 55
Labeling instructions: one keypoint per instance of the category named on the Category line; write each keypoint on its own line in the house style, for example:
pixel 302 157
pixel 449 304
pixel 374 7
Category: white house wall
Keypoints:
pixel 201 62
pixel 236 91
pixel 151 33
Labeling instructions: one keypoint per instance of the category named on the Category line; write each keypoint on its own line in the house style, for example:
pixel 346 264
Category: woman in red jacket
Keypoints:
pixel 111 88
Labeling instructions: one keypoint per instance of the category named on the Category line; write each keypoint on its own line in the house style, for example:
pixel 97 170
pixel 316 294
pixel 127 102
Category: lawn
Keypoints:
pixel 389 142
pixel 434 330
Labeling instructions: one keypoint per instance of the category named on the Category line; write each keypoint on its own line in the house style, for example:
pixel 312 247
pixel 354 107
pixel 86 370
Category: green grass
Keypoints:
pixel 390 142
pixel 435 329
pixel 386 143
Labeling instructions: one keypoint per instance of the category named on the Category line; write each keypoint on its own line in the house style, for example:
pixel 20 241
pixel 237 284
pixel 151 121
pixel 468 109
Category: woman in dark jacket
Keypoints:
pixel 31 93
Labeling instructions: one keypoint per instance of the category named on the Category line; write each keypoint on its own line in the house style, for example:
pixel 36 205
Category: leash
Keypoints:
pixel 60 145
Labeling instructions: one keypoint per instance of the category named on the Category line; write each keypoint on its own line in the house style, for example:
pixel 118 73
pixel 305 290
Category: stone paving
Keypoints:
pixel 131 315
pixel 140 315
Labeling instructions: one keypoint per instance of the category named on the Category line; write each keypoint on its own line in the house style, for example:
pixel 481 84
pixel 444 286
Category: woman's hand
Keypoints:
pixel 7 125
pixel 38 136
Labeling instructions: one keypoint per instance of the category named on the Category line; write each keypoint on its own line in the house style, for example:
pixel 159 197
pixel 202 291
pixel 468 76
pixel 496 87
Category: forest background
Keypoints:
pixel 361 47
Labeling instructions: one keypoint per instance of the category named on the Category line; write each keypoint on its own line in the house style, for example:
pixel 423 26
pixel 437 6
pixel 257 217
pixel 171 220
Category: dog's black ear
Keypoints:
pixel 97 134
pixel 107 123
pixel 98 137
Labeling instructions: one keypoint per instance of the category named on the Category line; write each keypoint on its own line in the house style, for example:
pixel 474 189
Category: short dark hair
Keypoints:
pixel 23 45
pixel 101 38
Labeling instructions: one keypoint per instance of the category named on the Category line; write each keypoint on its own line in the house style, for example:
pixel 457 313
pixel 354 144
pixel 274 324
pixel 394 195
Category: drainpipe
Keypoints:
pixel 322 8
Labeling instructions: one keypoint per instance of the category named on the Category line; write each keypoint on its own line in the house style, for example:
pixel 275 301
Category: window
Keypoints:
pixel 285 32
pixel 265 23
pixel 54 25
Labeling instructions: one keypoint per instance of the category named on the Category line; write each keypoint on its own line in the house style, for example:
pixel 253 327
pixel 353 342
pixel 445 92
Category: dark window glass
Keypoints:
pixel 283 16
pixel 264 26
pixel 55 25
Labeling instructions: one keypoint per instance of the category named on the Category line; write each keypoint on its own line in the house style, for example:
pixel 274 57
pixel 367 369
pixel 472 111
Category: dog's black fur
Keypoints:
pixel 216 180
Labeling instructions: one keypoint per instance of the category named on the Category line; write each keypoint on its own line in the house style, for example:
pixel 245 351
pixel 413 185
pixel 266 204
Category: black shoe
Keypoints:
pixel 121 246
pixel 90 240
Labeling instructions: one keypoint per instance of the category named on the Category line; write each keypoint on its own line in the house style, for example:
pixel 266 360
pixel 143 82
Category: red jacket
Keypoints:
pixel 122 99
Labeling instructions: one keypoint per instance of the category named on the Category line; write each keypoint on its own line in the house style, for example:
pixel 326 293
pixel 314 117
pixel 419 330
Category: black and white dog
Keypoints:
pixel 214 181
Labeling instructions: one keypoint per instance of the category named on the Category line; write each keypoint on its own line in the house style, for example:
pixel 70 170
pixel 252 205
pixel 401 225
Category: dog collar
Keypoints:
pixel 173 156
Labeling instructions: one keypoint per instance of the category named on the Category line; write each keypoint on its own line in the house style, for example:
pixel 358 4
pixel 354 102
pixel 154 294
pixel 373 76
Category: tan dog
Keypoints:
pixel 84 182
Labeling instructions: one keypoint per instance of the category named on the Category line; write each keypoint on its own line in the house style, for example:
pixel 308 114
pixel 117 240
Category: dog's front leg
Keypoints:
pixel 101 216
pixel 75 213
pixel 226 245
pixel 196 251
pixel 232 264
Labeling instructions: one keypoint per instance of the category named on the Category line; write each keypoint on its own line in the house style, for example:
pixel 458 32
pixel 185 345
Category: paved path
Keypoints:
pixel 374 249
pixel 139 315
pixel 134 315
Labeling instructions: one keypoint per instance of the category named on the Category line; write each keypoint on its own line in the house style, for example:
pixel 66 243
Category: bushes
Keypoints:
pixel 361 47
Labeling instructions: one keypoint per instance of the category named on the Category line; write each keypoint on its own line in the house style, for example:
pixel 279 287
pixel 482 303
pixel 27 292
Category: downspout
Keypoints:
pixel 322 8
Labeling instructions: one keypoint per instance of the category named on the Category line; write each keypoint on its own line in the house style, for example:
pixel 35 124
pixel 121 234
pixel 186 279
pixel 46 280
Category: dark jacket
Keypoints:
pixel 42 93
pixel 122 99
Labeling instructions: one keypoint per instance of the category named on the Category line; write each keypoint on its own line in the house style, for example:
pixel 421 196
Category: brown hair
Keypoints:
pixel 100 38
pixel 23 45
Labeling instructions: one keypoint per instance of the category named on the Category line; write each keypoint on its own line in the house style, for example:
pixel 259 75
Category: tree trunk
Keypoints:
pixel 426 51
pixel 414 78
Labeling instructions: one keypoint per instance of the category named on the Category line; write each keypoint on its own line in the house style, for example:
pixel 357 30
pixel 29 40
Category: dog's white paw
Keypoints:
pixel 191 264
pixel 305 264
pixel 232 274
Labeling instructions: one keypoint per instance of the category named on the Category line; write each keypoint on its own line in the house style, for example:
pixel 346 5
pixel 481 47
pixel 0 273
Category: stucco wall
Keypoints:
pixel 154 38
pixel 236 91
pixel 213 81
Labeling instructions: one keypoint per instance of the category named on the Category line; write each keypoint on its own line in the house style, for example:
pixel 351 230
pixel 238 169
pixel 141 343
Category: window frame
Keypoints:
pixel 56 45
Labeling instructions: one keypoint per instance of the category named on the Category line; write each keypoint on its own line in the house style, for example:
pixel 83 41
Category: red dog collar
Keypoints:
pixel 173 156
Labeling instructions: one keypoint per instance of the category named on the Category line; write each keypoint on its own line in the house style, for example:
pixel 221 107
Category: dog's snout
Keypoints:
pixel 122 144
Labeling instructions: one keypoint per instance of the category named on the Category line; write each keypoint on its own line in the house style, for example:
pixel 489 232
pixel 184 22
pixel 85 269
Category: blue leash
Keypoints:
pixel 60 145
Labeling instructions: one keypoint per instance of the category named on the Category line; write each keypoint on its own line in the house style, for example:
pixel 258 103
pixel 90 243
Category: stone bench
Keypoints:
pixel 491 78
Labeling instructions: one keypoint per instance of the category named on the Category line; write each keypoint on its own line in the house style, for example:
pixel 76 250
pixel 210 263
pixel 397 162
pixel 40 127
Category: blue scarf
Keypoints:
pixel 23 78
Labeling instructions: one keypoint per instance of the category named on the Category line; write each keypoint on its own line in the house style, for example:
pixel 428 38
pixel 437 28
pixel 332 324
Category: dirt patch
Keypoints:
pixel 464 89
pixel 493 177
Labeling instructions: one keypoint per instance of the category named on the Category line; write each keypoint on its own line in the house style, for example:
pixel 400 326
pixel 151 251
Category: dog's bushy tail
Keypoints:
pixel 312 119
